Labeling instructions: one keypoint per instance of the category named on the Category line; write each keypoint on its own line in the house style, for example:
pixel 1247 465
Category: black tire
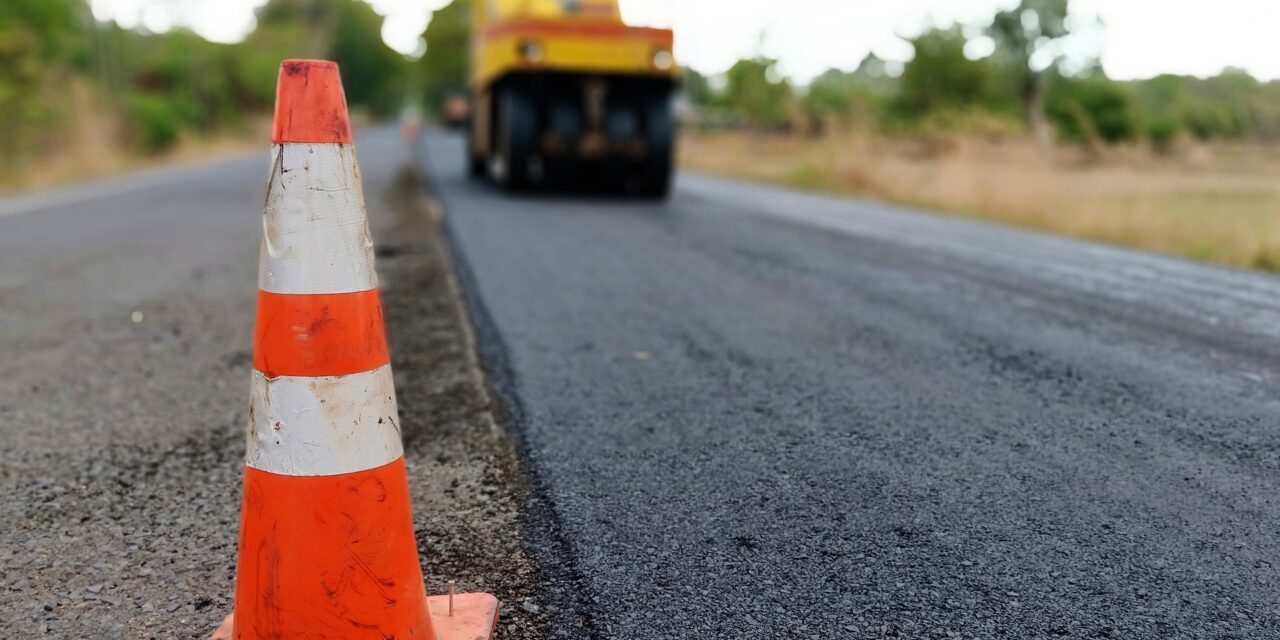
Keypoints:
pixel 514 143
pixel 660 129
pixel 477 168
pixel 475 161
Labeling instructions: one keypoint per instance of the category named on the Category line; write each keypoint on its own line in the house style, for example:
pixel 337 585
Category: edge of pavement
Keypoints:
pixel 24 201
pixel 565 593
pixel 464 472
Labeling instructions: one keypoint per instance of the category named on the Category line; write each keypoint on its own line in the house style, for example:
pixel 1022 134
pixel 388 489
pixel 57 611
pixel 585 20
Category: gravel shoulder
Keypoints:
pixel 465 476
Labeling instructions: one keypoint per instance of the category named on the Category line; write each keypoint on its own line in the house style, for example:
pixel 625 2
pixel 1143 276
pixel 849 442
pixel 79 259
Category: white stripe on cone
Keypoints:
pixel 325 425
pixel 316 234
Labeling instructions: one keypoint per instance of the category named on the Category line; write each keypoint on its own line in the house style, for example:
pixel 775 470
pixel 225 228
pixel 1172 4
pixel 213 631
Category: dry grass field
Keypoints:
pixel 1219 203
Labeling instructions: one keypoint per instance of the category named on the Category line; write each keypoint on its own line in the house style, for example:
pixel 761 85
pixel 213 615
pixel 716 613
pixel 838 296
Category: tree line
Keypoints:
pixel 161 86
pixel 1025 84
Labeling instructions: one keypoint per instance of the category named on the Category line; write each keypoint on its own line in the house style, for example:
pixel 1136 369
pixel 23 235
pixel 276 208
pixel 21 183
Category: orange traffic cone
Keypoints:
pixel 326 536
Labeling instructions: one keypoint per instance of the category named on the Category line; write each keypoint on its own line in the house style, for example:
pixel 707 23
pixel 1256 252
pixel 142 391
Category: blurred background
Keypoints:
pixel 1143 123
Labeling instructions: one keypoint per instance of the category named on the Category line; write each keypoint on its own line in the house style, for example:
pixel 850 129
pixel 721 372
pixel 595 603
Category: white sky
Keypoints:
pixel 1143 38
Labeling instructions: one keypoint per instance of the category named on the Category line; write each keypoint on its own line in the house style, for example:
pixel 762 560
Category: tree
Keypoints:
pixel 348 32
pixel 55 24
pixel 696 87
pixel 844 96
pixel 1232 104
pixel 831 96
pixel 39 44
pixel 1026 46
pixel 173 81
pixel 443 68
pixel 941 78
pixel 372 72
pixel 1093 109
pixel 308 23
pixel 757 94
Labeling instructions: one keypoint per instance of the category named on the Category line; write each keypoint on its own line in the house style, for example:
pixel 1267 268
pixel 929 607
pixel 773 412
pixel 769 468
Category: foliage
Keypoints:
pixel 1027 31
pixel 696 87
pixel 53 23
pixel 157 121
pixel 38 44
pixel 1230 105
pixel 1092 109
pixel 199 79
pixel 757 94
pixel 941 78
pixel 372 72
pixel 348 32
pixel 443 68
pixel 943 89
pixel 844 96
pixel 161 87
pixel 1163 132
pixel 1024 36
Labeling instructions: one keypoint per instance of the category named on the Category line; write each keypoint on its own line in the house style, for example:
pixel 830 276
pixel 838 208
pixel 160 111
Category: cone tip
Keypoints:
pixel 293 64
pixel 310 104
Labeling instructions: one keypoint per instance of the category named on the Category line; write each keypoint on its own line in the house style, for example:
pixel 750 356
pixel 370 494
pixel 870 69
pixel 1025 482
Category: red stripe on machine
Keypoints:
pixel 585 28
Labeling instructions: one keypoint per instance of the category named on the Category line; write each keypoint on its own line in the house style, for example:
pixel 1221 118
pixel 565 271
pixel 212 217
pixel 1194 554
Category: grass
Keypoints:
pixel 1217 203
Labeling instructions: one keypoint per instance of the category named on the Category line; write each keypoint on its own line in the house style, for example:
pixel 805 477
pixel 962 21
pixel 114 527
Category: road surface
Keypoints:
pixel 746 412
pixel 750 412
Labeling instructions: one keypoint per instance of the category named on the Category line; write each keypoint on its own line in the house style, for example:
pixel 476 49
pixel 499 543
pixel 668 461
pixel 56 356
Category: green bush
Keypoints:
pixel 848 96
pixel 1092 109
pixel 1208 121
pixel 941 78
pixel 1163 131
pixel 155 120
pixel 38 45
pixel 975 121
pixel 757 94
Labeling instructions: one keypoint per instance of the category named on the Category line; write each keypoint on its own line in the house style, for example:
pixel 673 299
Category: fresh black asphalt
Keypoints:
pixel 754 413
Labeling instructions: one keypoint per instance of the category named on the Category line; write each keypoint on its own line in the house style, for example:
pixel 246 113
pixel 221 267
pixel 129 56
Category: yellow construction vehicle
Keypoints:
pixel 564 92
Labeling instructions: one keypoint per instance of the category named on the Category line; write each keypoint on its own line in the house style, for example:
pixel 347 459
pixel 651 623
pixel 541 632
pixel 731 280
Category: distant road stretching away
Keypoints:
pixel 752 412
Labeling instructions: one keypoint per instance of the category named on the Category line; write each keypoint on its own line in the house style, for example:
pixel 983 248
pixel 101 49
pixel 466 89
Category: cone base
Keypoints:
pixel 475 616
pixel 224 629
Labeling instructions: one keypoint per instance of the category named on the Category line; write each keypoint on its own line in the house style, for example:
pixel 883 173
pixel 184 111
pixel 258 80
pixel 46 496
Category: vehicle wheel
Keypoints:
pixel 516 133
pixel 475 161
pixel 655 180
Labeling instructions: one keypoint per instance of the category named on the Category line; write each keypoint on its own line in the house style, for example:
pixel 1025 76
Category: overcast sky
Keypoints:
pixel 1142 38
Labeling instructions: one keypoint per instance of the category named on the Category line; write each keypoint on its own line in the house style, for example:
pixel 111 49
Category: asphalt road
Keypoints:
pixel 754 413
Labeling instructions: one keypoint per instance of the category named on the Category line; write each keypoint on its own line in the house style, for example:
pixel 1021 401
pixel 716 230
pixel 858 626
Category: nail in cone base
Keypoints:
pixel 475 615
